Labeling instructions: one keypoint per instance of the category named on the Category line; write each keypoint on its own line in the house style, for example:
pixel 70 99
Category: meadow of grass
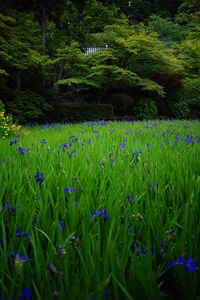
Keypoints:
pixel 101 210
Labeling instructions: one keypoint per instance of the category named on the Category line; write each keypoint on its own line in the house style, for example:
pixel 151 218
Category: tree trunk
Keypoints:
pixel 18 81
pixel 43 26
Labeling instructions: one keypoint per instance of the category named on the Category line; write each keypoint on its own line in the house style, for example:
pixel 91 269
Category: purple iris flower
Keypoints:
pixel 74 151
pixel 39 177
pixel 61 224
pixel 12 143
pixel 19 257
pixel 18 233
pixel 130 197
pixel 105 293
pixel 99 213
pixel 188 263
pixel 21 150
pixel 191 141
pixel 43 142
pixel 26 294
pixel 69 190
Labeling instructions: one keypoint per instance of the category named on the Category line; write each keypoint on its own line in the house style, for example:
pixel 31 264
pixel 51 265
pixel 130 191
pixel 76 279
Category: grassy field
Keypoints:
pixel 105 210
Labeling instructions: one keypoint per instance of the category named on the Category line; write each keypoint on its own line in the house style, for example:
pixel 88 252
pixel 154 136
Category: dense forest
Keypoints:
pixel 69 60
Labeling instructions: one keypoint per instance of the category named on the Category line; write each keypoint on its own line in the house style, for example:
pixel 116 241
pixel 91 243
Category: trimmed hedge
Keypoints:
pixel 122 104
pixel 145 109
pixel 69 112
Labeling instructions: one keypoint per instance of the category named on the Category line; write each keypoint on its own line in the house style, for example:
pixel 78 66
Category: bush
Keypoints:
pixel 180 110
pixel 28 107
pixel 84 111
pixel 145 109
pixel 122 104
pixel 7 128
pixel 186 101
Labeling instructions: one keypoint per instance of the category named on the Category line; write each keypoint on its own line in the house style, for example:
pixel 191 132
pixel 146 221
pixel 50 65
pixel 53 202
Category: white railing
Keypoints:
pixel 91 50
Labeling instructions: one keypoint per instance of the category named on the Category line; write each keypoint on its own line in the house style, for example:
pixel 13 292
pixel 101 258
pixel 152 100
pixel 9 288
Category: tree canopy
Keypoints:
pixel 142 49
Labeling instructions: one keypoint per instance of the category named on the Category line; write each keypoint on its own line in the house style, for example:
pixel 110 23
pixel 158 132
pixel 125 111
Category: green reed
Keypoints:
pixel 131 208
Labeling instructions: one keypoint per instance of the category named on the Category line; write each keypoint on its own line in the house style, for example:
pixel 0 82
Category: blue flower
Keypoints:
pixel 43 142
pixel 130 197
pixel 61 224
pixel 21 150
pixel 69 190
pixel 19 258
pixel 188 263
pixel 18 233
pixel 73 239
pixel 99 213
pixel 26 294
pixel 39 177
pixel 74 151
pixel 12 143
pixel 105 293
pixel 53 269
pixel 22 234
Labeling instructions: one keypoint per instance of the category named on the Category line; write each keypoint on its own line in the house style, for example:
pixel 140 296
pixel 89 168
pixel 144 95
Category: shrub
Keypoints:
pixel 145 109
pixel 180 110
pixel 28 107
pixel 84 111
pixel 7 128
pixel 186 100
pixel 122 104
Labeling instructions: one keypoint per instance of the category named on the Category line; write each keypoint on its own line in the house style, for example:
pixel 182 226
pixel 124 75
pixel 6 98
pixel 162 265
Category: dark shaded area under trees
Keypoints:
pixel 147 64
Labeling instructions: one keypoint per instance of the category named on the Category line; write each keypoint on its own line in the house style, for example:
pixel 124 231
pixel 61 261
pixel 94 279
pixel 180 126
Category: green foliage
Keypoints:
pixel 133 55
pixel 2 106
pixel 7 127
pixel 80 112
pixel 145 109
pixel 122 104
pixel 189 53
pixel 188 12
pixel 28 106
pixel 179 110
pixel 42 44
pixel 186 101
pixel 168 30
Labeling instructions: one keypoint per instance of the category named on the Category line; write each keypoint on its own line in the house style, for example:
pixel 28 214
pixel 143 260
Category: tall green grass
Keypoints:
pixel 145 175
